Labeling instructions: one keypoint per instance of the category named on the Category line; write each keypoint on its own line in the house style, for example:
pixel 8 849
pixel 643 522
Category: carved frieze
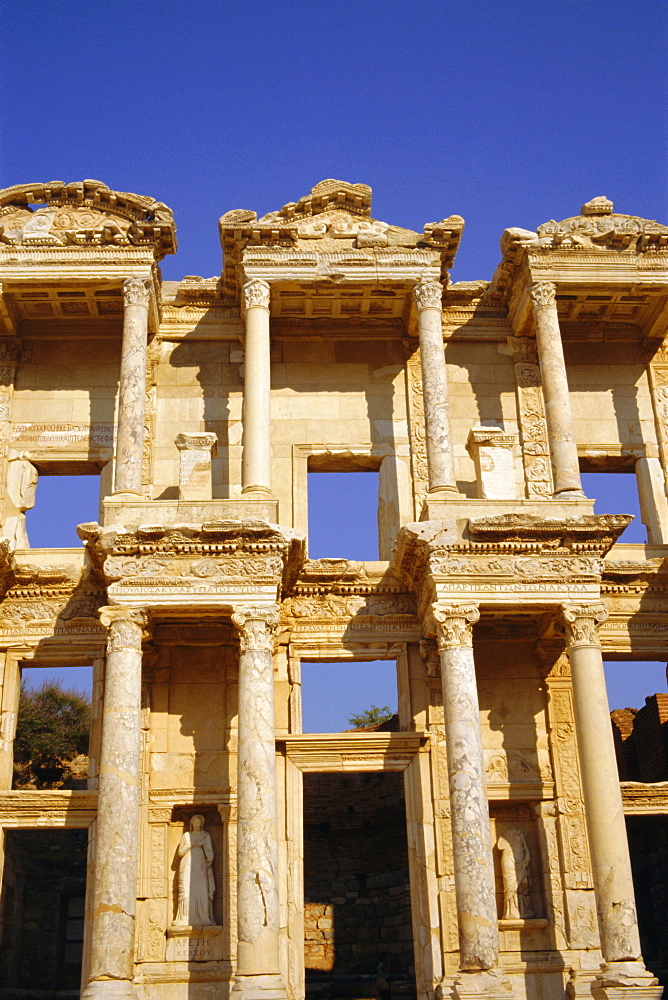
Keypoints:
pixel 531 418
pixel 418 441
pixel 193 563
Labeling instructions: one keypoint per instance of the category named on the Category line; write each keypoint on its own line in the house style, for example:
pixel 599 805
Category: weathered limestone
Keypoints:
pixel 561 436
pixel 256 464
pixel 438 432
pixel 257 974
pixel 117 830
pixel 469 812
pixel 492 451
pixel 132 387
pixel 196 451
pixel 611 867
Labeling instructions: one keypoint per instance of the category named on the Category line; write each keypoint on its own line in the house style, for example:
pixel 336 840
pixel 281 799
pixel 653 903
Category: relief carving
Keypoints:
pixel 125 627
pixel 454 624
pixel 136 291
pixel 428 295
pixel 581 623
pixel 418 439
pixel 256 293
pixel 257 628
pixel 531 414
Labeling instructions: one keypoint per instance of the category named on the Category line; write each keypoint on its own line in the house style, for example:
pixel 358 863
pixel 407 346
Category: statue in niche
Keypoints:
pixel 195 878
pixel 516 876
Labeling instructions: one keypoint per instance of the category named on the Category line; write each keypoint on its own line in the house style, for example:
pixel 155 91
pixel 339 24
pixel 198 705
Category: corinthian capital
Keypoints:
pixel 543 294
pixel 256 293
pixel 428 295
pixel 581 622
pixel 136 291
pixel 454 624
pixel 257 628
pixel 125 627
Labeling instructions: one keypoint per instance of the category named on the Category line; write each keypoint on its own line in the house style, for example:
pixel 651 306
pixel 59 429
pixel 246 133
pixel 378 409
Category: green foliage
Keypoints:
pixel 52 730
pixel 371 716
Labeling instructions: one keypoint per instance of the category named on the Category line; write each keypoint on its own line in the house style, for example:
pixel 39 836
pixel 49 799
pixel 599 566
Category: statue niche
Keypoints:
pixel 196 885
pixel 516 876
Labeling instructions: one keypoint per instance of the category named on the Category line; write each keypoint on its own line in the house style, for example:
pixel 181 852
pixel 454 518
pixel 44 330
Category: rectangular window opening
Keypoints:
pixel 337 697
pixel 616 492
pixel 53 728
pixel 343 514
pixel 61 500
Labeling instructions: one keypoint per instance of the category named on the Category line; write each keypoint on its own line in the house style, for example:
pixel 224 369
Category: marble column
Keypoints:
pixel 258 973
pixel 438 432
pixel 256 462
pixel 469 809
pixel 606 829
pixel 132 387
pixel 111 967
pixel 560 432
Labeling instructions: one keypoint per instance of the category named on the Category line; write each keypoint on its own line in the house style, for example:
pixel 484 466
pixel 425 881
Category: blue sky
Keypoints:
pixel 507 112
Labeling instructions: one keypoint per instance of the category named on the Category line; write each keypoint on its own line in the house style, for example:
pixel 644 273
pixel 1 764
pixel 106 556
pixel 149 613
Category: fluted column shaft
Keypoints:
pixel 258 974
pixel 469 810
pixel 611 865
pixel 256 462
pixel 132 387
pixel 438 432
pixel 558 416
pixel 111 968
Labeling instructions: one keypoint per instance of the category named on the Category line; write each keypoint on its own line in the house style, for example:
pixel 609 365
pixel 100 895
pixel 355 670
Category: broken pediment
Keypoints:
pixel 599 227
pixel 85 213
pixel 335 216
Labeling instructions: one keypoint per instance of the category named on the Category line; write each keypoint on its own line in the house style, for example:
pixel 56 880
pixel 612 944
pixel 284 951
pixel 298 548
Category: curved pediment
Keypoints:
pixel 85 213
pixel 599 227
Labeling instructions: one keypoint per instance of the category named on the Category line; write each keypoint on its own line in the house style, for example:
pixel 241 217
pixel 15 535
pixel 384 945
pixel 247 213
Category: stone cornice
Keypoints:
pixel 25 808
pixel 503 559
pixel 213 564
pixel 642 799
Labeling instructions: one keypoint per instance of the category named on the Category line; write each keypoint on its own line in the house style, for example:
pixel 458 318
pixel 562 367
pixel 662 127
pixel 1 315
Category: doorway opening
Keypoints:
pixel 43 893
pixel 357 910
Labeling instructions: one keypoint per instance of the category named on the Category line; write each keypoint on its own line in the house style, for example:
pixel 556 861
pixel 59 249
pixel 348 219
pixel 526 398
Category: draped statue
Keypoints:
pixel 195 879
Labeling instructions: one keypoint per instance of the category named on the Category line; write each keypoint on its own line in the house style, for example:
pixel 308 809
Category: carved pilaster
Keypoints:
pixel 531 418
pixel 419 466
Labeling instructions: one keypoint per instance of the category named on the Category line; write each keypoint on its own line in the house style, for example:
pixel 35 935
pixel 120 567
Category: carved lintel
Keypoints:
pixel 428 295
pixel 256 293
pixel 136 291
pixel 257 628
pixel 454 624
pixel 125 626
pixel 543 293
pixel 581 623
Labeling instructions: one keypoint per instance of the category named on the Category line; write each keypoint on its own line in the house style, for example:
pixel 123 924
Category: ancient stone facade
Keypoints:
pixel 331 340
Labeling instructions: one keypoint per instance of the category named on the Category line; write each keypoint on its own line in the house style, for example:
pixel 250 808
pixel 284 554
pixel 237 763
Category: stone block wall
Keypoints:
pixel 357 903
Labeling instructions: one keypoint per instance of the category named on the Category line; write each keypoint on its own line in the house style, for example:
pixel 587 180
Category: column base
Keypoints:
pixel 625 981
pixel 261 492
pixel 109 989
pixel 265 986
pixel 478 985
pixel 569 495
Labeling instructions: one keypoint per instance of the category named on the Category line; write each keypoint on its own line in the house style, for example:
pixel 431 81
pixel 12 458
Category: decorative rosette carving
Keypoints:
pixel 454 624
pixel 257 628
pixel 136 291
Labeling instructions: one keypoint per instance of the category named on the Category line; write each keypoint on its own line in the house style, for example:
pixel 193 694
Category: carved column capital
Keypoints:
pixel 581 623
pixel 125 627
pixel 543 293
pixel 428 295
pixel 256 293
pixel 136 291
pixel 257 628
pixel 454 624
